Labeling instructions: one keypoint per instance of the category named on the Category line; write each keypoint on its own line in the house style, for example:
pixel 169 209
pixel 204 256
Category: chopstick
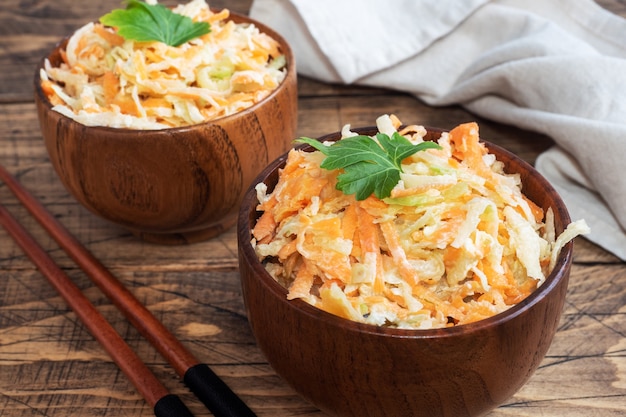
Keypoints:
pixel 155 394
pixel 201 380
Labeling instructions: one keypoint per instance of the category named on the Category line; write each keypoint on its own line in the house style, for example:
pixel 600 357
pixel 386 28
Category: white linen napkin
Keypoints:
pixel 556 67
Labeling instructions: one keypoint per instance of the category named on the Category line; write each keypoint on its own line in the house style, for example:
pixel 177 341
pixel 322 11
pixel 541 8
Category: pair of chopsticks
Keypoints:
pixel 201 380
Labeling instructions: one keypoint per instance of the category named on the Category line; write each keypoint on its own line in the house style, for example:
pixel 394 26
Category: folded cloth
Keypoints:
pixel 557 67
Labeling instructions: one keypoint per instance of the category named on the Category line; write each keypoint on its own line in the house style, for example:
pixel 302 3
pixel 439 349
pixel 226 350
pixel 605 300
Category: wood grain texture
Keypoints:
pixel 50 365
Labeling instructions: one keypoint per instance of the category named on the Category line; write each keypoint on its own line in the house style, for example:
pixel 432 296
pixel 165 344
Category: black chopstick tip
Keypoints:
pixel 171 406
pixel 214 393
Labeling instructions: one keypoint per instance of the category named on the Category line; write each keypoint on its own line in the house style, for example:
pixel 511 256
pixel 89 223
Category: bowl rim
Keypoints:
pixel 247 254
pixel 237 18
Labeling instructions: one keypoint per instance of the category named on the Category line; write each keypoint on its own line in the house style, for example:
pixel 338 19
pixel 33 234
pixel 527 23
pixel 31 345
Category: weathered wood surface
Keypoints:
pixel 51 366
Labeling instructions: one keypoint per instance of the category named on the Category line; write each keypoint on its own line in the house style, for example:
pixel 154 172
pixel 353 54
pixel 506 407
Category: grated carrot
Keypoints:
pixel 223 72
pixel 428 257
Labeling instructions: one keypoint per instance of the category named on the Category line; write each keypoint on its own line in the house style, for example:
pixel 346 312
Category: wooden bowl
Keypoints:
pixel 347 368
pixel 176 185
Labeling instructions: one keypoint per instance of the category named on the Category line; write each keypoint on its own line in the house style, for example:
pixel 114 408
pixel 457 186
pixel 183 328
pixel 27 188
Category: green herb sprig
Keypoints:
pixel 144 23
pixel 368 166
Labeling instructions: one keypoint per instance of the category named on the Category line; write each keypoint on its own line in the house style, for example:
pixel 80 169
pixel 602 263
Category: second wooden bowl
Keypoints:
pixel 177 185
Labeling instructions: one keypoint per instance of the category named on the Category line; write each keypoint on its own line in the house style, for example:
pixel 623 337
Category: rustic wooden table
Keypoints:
pixel 51 366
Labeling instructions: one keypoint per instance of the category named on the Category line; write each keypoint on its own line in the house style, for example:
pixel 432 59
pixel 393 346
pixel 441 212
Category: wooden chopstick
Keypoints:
pixel 155 394
pixel 201 380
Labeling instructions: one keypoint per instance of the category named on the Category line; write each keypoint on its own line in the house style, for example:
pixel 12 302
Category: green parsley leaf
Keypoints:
pixel 144 22
pixel 368 167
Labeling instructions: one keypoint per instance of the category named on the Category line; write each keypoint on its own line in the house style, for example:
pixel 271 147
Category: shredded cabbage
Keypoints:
pixel 456 241
pixel 105 80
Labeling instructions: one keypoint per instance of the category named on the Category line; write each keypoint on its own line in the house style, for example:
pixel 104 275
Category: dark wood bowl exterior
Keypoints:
pixel 352 369
pixel 177 185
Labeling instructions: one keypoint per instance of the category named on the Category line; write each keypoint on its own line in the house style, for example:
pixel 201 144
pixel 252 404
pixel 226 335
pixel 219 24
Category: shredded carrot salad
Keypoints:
pixel 106 80
pixel 456 241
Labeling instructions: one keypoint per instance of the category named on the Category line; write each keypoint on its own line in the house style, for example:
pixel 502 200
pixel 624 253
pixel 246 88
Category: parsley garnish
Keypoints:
pixel 144 22
pixel 369 167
